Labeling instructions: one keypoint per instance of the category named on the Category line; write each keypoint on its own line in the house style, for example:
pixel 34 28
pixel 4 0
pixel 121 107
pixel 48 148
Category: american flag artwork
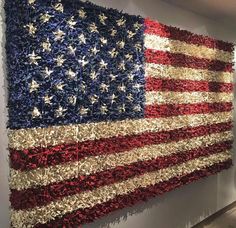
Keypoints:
pixel 108 109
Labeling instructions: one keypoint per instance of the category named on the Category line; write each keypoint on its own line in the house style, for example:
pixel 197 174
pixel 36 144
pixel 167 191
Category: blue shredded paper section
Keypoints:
pixel 101 87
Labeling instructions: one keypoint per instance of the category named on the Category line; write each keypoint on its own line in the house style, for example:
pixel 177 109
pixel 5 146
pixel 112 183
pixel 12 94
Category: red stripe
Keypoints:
pixel 167 110
pixel 82 216
pixel 156 28
pixel 33 197
pixel 156 84
pixel 42 157
pixel 181 60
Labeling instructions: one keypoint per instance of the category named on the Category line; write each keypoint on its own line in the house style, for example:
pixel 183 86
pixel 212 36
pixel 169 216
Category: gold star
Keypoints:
pixel 113 53
pixel 113 32
pixel 60 60
pixel 113 97
pixel 60 111
pixel 137 108
pixel 71 50
pixel 72 100
pixel 59 35
pixel 33 86
pixel 122 88
pixel 102 18
pixel 71 74
pixel 71 22
pixel 47 99
pixel 130 97
pixel 131 34
pixel 60 86
pixel 129 57
pixel 45 17
pixel 83 62
pixel 93 75
pixel 104 88
pixel 31 2
pixel 113 77
pixel 131 77
pixel 82 13
pixel 31 28
pixel 59 7
pixel 33 58
pixel 103 109
pixel 121 21
pixel 93 27
pixel 137 25
pixel 138 67
pixel 82 38
pixel 93 99
pixel 103 40
pixel 138 47
pixel 83 111
pixel 121 44
pixel 122 108
pixel 94 50
pixel 35 113
pixel 46 45
pixel 103 64
pixel 122 65
pixel 83 87
pixel 137 86
pixel 47 72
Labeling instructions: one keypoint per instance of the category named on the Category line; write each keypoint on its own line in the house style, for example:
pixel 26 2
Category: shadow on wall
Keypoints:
pixel 162 211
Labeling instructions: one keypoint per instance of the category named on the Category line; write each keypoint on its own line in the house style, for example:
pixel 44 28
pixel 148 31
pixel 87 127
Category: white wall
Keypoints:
pixel 181 208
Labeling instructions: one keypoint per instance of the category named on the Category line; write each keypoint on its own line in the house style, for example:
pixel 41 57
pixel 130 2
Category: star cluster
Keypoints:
pixel 73 65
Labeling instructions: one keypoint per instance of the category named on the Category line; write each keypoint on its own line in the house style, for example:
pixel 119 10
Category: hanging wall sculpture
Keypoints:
pixel 108 109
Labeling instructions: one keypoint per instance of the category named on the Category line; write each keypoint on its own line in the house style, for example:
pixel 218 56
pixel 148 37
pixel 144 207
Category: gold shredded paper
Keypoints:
pixel 184 73
pixel 170 97
pixel 176 46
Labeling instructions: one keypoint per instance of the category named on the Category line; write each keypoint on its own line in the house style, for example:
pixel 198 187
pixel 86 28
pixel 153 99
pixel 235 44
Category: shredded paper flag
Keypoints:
pixel 108 109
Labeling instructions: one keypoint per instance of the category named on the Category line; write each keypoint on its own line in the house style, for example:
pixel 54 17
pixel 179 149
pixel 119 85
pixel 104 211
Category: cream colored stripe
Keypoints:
pixel 176 46
pixel 88 199
pixel 43 137
pixel 184 73
pixel 89 165
pixel 170 97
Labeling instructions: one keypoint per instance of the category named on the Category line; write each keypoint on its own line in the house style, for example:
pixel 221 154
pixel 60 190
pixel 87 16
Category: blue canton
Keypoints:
pixel 73 62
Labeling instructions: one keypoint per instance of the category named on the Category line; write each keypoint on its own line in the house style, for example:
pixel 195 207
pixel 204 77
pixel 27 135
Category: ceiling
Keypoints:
pixel 223 11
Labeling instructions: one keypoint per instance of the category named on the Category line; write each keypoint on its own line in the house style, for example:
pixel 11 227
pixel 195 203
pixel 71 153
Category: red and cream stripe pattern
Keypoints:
pixel 60 180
